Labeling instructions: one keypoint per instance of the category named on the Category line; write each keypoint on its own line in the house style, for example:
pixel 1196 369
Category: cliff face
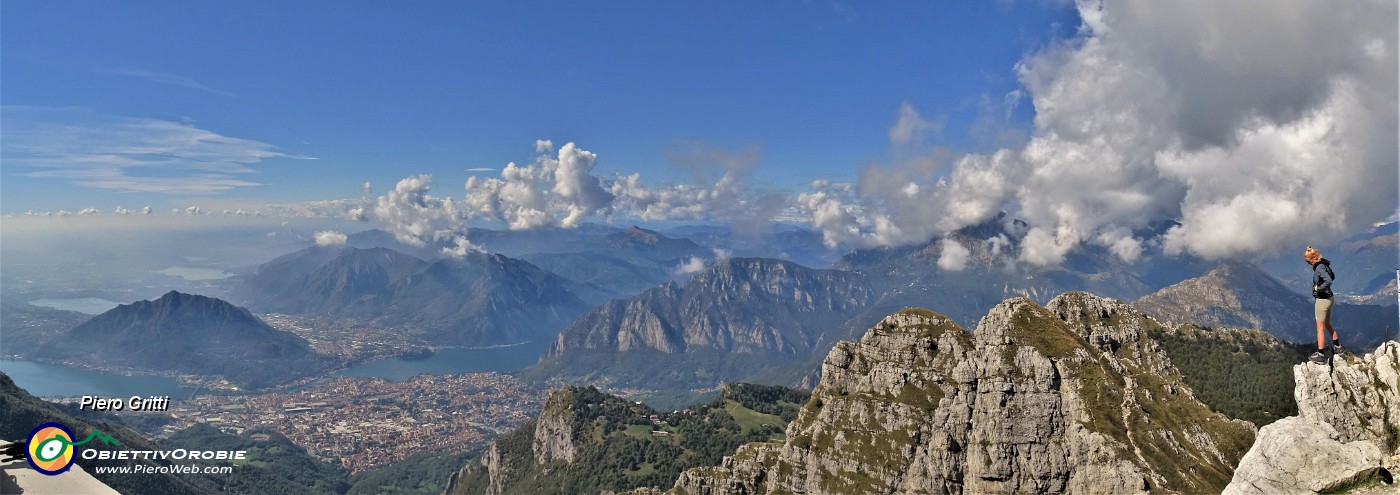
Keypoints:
pixel 740 319
pixel 1347 430
pixel 554 432
pixel 1068 398
pixel 745 305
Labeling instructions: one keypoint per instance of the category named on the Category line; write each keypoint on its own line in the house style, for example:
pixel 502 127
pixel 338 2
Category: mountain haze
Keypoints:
pixel 478 299
pixel 623 263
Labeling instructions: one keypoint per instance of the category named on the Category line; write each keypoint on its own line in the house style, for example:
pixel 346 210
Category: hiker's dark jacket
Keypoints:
pixel 1322 279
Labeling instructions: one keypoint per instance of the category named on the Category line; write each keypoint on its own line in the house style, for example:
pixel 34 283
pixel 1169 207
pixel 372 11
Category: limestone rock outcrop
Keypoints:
pixel 1346 433
pixel 1068 398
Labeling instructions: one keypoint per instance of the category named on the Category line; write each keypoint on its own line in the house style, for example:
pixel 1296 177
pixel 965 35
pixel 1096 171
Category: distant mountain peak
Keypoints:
pixel 639 234
pixel 1238 294
pixel 190 333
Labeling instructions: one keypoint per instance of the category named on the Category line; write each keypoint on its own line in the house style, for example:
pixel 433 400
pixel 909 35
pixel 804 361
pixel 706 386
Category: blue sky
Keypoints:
pixel 379 91
pixel 1254 125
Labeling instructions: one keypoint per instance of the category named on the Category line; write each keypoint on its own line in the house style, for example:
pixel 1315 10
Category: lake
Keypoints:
pixel 85 305
pixel 56 380
pixel 188 273
pixel 453 360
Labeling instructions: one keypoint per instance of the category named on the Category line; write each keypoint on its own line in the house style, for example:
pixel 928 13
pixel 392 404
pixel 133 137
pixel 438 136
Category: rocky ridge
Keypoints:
pixel 1346 433
pixel 1073 397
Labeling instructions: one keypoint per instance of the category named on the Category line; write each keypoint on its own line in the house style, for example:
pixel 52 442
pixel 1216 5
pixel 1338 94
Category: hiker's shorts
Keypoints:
pixel 1323 309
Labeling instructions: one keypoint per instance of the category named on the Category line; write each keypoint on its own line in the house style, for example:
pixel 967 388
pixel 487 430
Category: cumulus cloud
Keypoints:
pixel 330 238
pixel 561 189
pixel 416 217
pixel 461 247
pixel 689 267
pixel 954 256
pixel 1252 139
pixel 574 184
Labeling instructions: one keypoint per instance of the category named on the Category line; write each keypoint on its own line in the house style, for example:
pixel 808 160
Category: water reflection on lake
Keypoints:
pixel 453 360
pixel 85 305
pixel 56 380
pixel 188 273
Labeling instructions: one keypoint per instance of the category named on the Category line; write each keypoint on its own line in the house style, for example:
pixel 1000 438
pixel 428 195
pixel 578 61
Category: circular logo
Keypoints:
pixel 51 449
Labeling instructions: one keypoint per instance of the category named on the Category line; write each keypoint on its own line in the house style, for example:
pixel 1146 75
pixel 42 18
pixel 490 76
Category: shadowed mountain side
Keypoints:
pixel 478 299
pixel 192 334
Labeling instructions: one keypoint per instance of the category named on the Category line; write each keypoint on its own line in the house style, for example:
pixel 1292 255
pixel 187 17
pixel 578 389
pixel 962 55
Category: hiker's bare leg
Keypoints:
pixel 1321 343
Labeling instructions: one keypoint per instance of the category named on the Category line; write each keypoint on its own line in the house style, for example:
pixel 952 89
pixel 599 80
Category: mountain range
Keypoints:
pixel 623 263
pixel 1077 396
pixel 733 320
pixel 736 318
pixel 478 299
pixel 191 334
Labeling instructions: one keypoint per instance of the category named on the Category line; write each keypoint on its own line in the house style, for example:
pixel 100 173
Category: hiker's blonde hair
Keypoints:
pixel 1312 256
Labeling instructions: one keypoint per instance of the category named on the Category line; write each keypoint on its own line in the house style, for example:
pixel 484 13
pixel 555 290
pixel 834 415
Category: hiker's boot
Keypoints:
pixel 1318 357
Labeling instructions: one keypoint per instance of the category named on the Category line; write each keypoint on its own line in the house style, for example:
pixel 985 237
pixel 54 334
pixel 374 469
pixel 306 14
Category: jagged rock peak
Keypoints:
pixel 1346 433
pixel 1069 398
pixel 554 431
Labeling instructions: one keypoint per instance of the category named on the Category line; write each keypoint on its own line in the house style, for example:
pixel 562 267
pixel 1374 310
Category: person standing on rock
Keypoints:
pixel 1322 302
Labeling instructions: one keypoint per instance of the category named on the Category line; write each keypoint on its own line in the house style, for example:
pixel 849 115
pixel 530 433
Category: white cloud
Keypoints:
pixel 416 217
pixel 1040 247
pixel 574 183
pixel 330 238
pixel 1254 139
pixel 162 78
pixel 954 256
pixel 1122 244
pixel 689 267
pixel 910 128
pixel 461 247
pixel 127 154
